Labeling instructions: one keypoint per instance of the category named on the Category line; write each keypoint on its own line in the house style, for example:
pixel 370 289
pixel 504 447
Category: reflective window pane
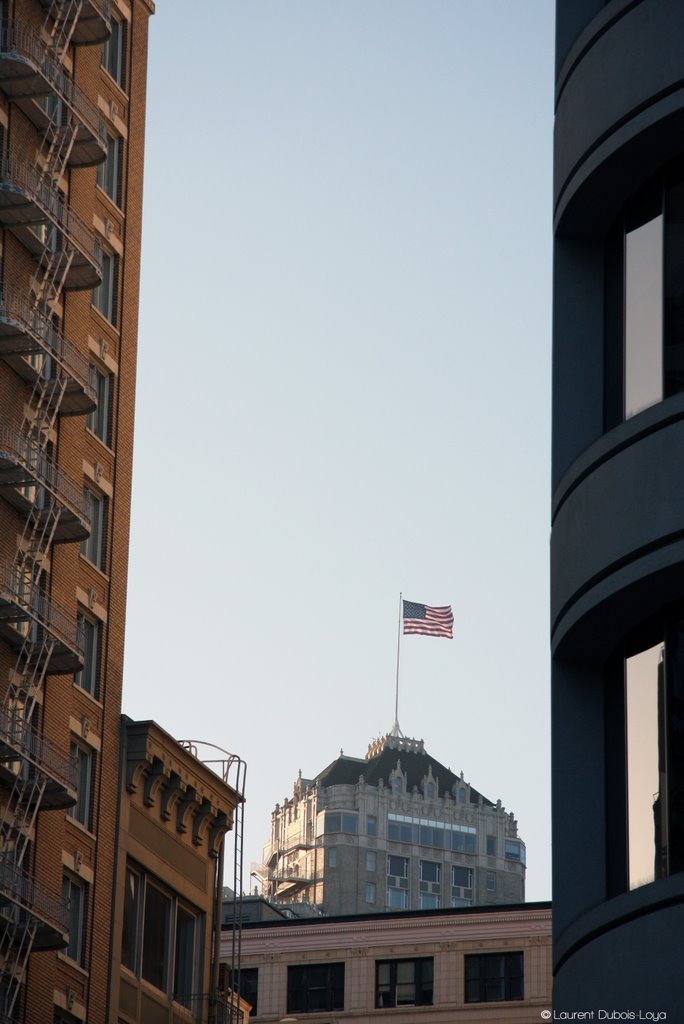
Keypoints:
pixel 645 809
pixel 643 316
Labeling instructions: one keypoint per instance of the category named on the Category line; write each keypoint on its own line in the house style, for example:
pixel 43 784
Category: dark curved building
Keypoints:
pixel 617 591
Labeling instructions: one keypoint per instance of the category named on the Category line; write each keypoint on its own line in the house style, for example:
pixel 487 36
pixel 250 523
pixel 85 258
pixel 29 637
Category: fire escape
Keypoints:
pixel 45 638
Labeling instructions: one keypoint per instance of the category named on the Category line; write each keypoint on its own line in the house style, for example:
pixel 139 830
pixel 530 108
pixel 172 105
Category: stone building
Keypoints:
pixel 455 966
pixel 395 830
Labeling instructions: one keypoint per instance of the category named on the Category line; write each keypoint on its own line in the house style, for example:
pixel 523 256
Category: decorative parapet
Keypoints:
pixel 187 795
pixel 390 742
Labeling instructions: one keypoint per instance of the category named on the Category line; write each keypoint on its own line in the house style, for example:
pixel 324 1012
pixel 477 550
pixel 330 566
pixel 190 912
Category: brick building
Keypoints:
pixel 72 113
pixel 441 966
pixel 395 830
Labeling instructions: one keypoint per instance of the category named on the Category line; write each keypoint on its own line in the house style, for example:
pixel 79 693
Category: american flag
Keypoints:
pixel 423 618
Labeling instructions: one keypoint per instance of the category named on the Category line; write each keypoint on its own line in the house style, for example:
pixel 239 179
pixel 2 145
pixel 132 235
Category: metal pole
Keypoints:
pixel 395 727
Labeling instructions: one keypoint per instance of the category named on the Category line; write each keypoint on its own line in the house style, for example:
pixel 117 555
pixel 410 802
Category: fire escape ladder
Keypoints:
pixel 60 23
pixel 57 144
pixel 29 672
pixel 43 406
pixel 16 940
pixel 50 274
pixel 235 1015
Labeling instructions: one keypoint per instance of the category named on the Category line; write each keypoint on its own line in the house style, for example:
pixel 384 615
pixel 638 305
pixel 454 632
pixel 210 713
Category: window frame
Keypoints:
pixel 133 938
pixel 302 991
pixel 94 546
pixel 105 297
pixel 423 973
pixel 508 977
pixel 89 677
pixel 109 175
pixel 100 418
pixel 82 810
pixel 114 52
pixel 78 916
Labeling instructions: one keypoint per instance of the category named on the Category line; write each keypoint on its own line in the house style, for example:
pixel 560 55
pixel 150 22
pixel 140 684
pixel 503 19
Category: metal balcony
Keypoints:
pixel 33 210
pixel 25 608
pixel 29 71
pixel 28 477
pixel 94 23
pixel 22 748
pixel 22 897
pixel 28 342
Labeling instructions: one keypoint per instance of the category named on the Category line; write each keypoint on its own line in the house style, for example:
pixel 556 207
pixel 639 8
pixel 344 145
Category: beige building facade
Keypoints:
pixel 395 830
pixel 72 120
pixel 467 965
pixel 174 814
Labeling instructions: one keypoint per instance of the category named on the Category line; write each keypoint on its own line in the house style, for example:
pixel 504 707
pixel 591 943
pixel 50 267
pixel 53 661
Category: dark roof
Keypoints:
pixel 346 771
pixel 323 919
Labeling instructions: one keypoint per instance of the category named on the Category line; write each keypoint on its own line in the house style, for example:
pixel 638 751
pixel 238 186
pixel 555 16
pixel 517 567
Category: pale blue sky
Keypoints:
pixel 344 389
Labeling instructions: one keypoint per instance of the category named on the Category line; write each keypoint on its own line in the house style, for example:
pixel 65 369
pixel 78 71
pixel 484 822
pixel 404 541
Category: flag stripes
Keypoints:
pixel 428 619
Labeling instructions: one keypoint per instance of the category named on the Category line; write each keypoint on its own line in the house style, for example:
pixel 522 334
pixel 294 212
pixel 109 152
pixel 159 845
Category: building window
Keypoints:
pixel 429 901
pixel 105 295
pixel 491 881
pixel 156 937
pixel 430 790
pixel 460 838
pixel 82 809
pixel 315 988
pixel 342 821
pixel 493 977
pixel 491 846
pixel 89 676
pixel 643 328
pixel 430 871
pixel 332 857
pixel 370 892
pixel 462 877
pixel 646 817
pixel 515 850
pixel 130 934
pixel 249 988
pixel 99 419
pixel 461 886
pixel 653 843
pixel 167 953
pixel 114 52
pixel 110 171
pixel 94 547
pixel 397 882
pixel 371 825
pixel 397 899
pixel 371 860
pixel 645 299
pixel 74 894
pixel 461 796
pixel 397 867
pixel 404 982
pixel 396 785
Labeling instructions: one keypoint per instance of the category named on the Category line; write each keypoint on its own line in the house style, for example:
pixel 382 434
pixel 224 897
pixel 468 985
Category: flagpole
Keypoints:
pixel 395 727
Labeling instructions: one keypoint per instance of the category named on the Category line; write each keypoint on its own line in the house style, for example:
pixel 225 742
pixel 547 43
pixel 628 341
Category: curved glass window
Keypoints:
pixel 645 298
pixel 654 757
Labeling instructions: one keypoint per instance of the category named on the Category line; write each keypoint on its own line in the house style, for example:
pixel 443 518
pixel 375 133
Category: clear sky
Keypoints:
pixel 344 389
